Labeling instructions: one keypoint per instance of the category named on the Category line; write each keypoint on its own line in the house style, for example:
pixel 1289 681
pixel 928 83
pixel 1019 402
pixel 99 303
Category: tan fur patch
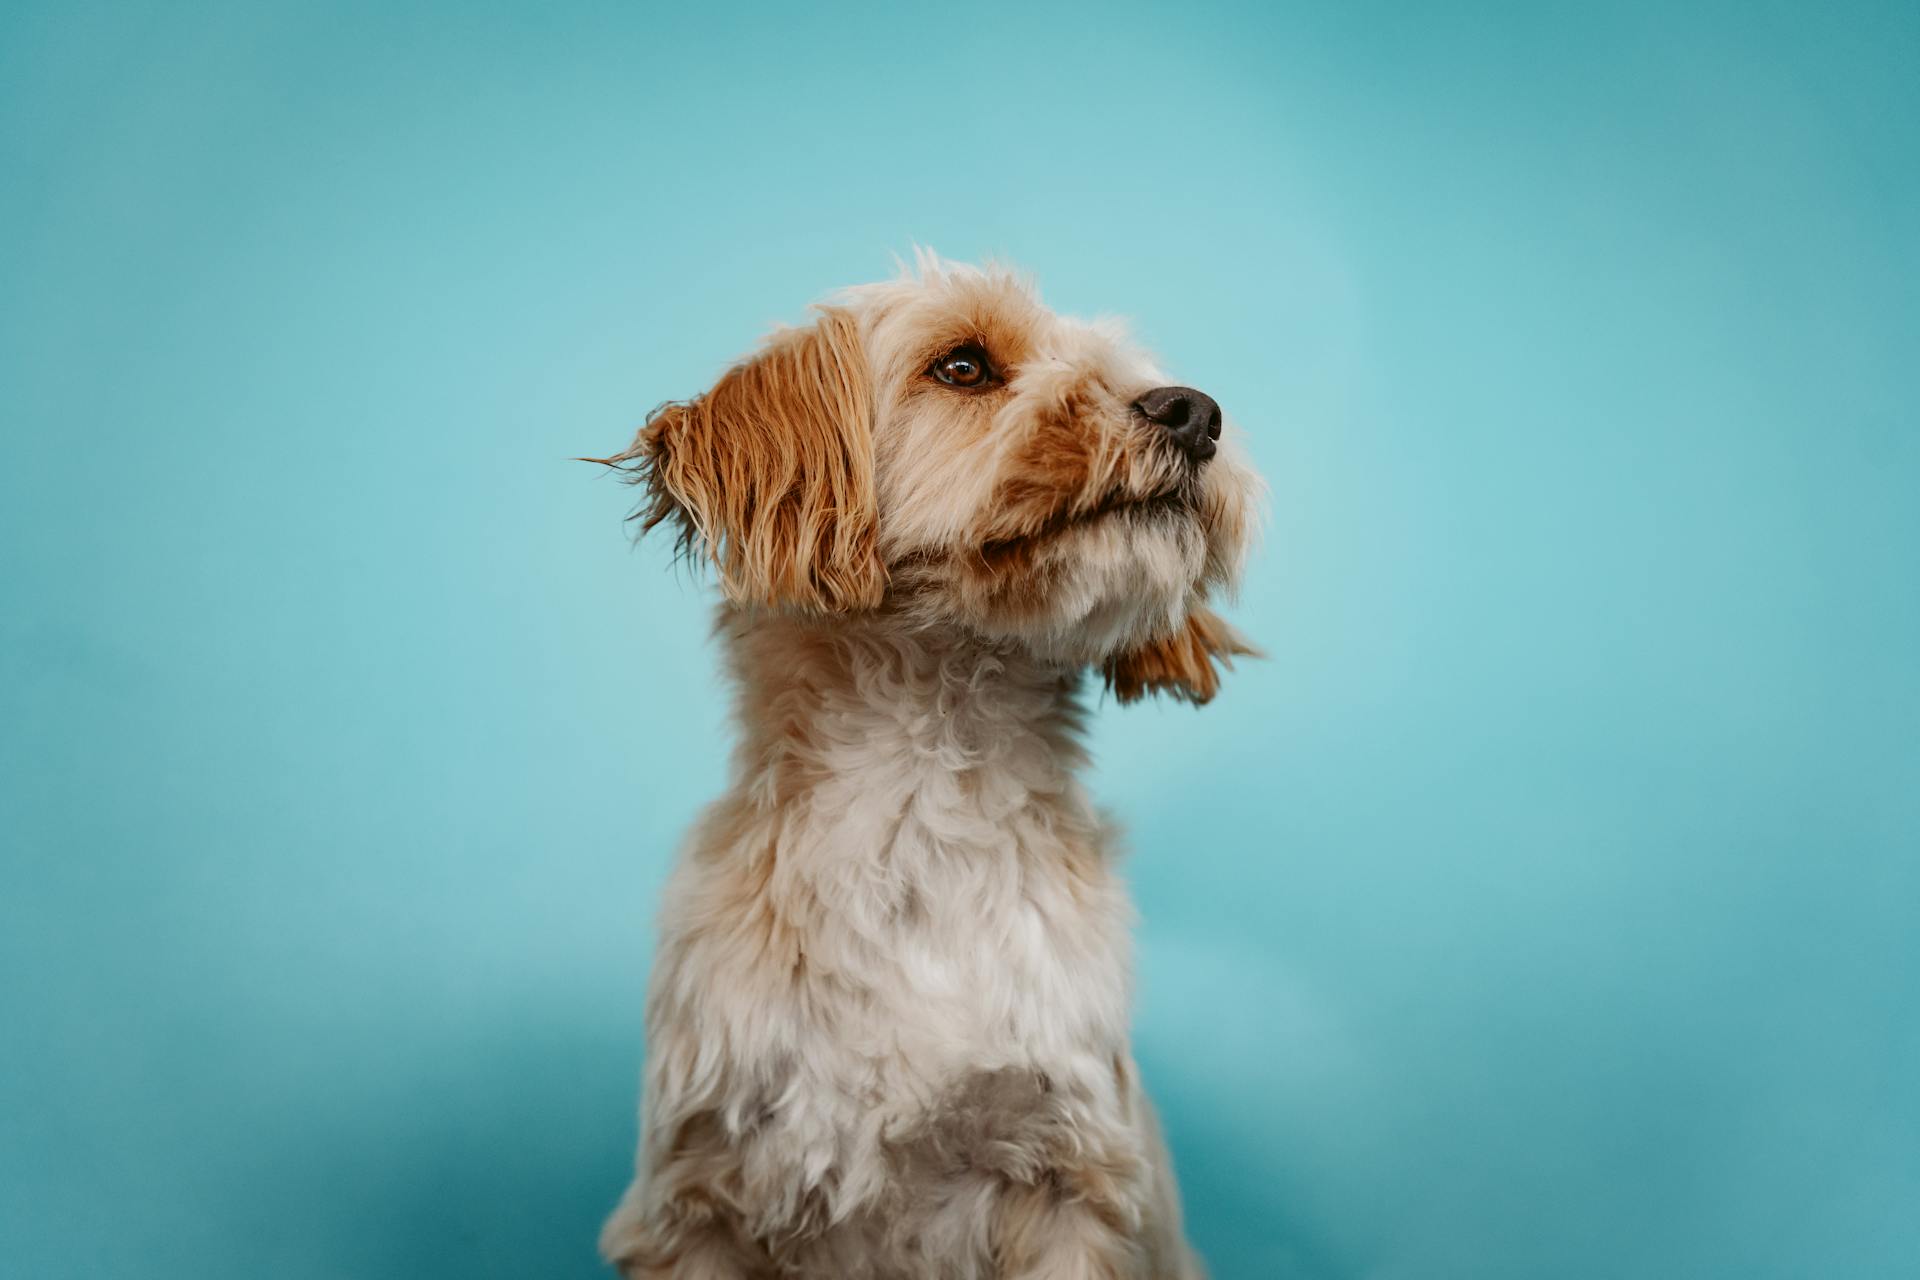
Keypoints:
pixel 1181 665
pixel 771 472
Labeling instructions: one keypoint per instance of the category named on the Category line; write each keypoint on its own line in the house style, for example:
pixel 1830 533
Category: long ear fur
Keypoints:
pixel 770 474
pixel 1180 665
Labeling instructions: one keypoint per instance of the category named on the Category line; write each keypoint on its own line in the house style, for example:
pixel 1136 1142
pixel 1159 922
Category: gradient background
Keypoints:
pixel 1545 906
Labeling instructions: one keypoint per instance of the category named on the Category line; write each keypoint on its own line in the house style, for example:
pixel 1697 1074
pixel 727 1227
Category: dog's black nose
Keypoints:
pixel 1191 417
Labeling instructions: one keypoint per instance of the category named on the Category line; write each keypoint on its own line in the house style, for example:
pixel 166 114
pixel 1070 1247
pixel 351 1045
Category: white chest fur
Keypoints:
pixel 906 891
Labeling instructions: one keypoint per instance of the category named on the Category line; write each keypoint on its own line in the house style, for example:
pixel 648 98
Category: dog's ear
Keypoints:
pixel 770 474
pixel 1181 665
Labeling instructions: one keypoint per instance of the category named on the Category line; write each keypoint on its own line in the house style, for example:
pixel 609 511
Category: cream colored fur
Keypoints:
pixel 888 1022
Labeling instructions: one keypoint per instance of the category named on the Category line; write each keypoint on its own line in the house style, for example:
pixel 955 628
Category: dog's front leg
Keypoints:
pixel 687 1233
pixel 1055 1230
pixel 682 1246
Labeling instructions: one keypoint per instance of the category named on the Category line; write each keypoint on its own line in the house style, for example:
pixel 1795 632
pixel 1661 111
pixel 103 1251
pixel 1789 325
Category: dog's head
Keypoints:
pixel 944 447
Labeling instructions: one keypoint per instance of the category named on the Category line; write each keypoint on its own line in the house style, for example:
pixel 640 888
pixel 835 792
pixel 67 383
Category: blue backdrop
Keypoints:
pixel 1545 906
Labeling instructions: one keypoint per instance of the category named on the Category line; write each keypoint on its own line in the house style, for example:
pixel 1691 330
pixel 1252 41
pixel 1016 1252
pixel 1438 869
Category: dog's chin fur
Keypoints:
pixel 887 1028
pixel 1106 585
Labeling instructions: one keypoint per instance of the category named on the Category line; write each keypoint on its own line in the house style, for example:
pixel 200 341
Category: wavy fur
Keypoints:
pixel 887 1029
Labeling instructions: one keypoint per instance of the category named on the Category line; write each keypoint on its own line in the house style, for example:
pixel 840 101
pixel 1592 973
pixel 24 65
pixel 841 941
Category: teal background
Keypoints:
pixel 1544 906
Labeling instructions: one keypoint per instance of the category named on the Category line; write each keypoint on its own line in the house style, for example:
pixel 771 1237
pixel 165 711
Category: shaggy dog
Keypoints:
pixel 887 1026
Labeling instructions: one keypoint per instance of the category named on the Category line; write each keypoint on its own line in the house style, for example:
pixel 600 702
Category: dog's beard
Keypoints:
pixel 1096 581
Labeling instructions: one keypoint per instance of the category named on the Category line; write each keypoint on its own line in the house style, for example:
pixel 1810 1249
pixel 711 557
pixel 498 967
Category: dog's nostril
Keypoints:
pixel 1191 417
pixel 1168 413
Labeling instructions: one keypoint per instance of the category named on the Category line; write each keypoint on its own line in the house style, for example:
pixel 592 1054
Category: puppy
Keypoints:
pixel 887 1026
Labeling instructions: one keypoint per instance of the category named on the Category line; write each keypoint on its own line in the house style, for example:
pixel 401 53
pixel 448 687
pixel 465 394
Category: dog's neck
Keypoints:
pixel 832 709
pixel 906 823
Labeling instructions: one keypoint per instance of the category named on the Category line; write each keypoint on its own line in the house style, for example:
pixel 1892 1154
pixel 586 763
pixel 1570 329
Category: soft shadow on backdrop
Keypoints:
pixel 1544 906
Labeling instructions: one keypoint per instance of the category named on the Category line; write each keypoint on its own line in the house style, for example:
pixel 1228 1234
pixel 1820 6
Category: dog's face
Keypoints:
pixel 946 448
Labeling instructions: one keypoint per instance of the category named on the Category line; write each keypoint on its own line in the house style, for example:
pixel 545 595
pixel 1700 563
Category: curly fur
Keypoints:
pixel 887 1026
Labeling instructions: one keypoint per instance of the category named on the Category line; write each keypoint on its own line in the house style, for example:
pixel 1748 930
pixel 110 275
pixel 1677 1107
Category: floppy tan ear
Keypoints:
pixel 770 474
pixel 1181 665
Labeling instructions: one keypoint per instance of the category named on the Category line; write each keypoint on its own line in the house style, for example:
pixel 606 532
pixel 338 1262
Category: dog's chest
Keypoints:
pixel 965 1012
pixel 992 964
pixel 906 933
pixel 973 912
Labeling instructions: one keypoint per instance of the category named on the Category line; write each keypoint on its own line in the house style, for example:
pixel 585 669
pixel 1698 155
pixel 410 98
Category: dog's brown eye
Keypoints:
pixel 963 367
